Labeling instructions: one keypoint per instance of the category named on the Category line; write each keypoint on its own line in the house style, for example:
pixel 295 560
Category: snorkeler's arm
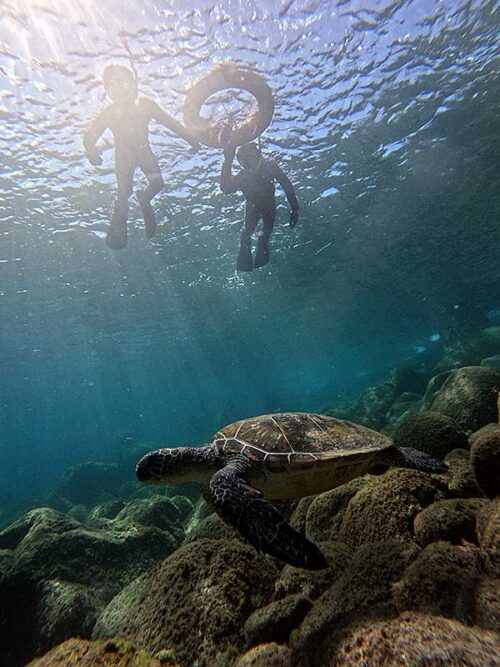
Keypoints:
pixel 165 119
pixel 228 182
pixel 285 183
pixel 92 134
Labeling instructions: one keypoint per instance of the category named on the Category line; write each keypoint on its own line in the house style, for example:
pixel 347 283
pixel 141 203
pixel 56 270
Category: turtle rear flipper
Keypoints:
pixel 407 457
pixel 259 522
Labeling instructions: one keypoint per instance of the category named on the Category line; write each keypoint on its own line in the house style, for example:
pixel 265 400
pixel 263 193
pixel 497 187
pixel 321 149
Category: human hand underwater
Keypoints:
pixel 294 218
pixel 94 157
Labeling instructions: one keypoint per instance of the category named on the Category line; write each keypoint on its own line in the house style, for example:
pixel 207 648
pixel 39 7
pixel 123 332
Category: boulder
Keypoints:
pixel 266 655
pixel 485 463
pixel 385 508
pixel 110 653
pixel 213 528
pixel 430 432
pixel 488 531
pixel 487 604
pixel 441 581
pixel 451 520
pixel 469 396
pixel 196 601
pixel 412 639
pixel 459 477
pixel 275 621
pixel 492 362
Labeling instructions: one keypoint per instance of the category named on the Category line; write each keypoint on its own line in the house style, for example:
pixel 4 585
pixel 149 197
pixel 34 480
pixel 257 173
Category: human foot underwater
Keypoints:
pixel 278 457
pixel 128 118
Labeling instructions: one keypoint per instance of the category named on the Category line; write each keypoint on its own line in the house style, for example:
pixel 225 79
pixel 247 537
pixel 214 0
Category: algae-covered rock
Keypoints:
pixel 156 511
pixel 491 362
pixel 197 601
pixel 412 639
pixel 430 432
pixel 488 531
pixel 109 653
pixel 451 520
pixel 266 655
pixel 485 463
pixel 312 583
pixel 441 581
pixel 325 512
pixel 275 621
pixel 49 545
pixel 367 582
pixel 385 508
pixel 487 604
pixel 459 477
pixel 107 510
pixel 213 528
pixel 469 396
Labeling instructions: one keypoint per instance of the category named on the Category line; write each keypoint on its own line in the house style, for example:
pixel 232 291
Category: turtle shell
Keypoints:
pixel 310 452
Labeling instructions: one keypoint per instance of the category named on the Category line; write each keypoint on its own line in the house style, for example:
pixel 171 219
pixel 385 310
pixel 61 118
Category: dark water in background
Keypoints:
pixel 387 120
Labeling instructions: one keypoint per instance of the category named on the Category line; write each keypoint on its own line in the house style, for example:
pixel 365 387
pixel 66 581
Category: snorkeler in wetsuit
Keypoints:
pixel 128 118
pixel 256 182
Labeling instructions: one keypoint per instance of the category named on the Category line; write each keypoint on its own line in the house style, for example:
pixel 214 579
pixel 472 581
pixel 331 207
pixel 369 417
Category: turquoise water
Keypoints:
pixel 387 123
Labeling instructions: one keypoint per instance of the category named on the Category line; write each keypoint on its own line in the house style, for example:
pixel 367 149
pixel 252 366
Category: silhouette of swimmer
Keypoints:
pixel 256 182
pixel 128 118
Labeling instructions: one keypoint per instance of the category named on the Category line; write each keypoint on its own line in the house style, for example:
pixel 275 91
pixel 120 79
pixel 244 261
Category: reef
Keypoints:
pixel 134 577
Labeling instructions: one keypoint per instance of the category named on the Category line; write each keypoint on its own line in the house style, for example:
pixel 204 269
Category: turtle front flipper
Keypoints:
pixel 259 522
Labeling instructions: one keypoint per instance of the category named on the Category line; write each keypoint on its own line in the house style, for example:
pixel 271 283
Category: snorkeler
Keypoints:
pixel 128 117
pixel 256 182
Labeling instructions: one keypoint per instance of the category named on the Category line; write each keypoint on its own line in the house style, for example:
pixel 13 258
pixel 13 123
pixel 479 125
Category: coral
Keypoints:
pixel 385 508
pixel 451 520
pixel 485 463
pixel 197 600
pixel 411 639
pixel 275 621
pixel 430 432
pixel 469 397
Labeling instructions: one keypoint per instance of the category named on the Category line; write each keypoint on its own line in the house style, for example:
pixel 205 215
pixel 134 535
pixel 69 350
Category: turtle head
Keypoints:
pixel 171 466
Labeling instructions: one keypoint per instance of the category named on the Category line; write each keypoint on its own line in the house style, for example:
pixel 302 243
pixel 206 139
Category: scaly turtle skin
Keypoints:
pixel 278 456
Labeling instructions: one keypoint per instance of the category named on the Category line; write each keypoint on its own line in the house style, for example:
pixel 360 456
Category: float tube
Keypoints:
pixel 221 79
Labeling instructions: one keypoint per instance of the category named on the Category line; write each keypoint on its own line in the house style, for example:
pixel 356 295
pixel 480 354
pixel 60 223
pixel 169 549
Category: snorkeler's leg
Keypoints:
pixel 151 169
pixel 262 252
pixel 245 261
pixel 117 233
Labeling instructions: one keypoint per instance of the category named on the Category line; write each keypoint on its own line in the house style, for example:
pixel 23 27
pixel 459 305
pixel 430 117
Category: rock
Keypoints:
pixel 482 431
pixel 312 583
pixel 371 409
pixel 184 505
pixel 485 463
pixel 275 621
pixel 469 396
pixel 298 517
pixel 266 655
pixel 492 336
pixel 213 528
pixel 86 483
pixel 157 512
pixel 433 388
pixel 459 477
pixel 385 508
pixel 411 639
pixel 487 604
pixel 49 545
pixel 107 510
pixel 196 601
pixel 448 520
pixel 488 532
pixel 492 362
pixel 325 512
pixel 367 582
pixel 110 653
pixel 430 432
pixel 441 581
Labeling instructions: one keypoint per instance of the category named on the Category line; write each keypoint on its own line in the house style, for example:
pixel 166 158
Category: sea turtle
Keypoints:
pixel 277 457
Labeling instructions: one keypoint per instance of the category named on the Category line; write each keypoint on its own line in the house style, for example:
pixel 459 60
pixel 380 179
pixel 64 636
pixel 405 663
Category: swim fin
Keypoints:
pixel 147 214
pixel 116 237
pixel 262 253
pixel 245 261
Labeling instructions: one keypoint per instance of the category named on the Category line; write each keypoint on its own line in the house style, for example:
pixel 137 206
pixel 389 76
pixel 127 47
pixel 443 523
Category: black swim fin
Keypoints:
pixel 245 261
pixel 262 253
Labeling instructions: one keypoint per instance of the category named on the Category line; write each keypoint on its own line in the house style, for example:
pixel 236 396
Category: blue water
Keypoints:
pixel 386 121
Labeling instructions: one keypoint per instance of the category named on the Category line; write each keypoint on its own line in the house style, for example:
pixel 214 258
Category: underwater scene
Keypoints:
pixel 250 333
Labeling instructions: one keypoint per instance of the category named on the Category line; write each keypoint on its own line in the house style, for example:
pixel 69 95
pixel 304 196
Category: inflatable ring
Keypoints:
pixel 221 79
